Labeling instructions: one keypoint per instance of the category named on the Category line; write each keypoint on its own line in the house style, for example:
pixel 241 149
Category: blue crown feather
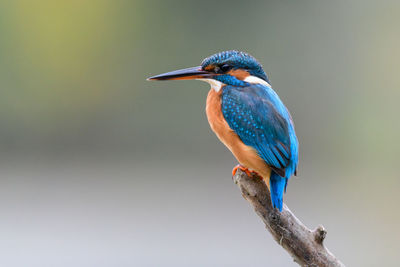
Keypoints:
pixel 238 60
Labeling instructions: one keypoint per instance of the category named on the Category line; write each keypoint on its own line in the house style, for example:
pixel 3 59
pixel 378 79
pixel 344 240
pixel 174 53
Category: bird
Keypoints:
pixel 248 117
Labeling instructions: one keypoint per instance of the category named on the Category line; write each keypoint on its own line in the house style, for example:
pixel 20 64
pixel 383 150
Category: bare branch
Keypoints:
pixel 304 245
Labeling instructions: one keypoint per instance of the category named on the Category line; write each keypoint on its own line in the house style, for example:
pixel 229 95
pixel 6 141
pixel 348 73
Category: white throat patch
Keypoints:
pixel 254 79
pixel 216 85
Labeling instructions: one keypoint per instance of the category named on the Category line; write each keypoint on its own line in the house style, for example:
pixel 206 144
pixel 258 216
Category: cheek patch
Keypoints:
pixel 210 68
pixel 239 74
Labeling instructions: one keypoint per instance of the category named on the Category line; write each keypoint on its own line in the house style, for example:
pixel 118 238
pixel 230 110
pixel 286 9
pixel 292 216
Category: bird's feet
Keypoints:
pixel 247 171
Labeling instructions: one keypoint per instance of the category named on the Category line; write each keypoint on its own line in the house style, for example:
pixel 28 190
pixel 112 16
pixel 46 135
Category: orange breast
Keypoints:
pixel 246 155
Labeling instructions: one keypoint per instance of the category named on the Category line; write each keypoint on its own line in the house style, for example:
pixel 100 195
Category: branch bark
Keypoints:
pixel 304 245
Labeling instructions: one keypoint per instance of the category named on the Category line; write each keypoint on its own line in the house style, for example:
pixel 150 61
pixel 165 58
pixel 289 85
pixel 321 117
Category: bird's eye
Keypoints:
pixel 222 68
pixel 225 68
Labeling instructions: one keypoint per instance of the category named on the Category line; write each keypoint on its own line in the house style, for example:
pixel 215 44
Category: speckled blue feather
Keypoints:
pixel 258 116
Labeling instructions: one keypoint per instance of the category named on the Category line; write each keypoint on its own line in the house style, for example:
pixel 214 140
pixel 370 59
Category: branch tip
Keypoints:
pixel 320 234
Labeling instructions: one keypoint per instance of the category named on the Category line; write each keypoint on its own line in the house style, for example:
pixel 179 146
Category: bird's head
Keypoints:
pixel 224 68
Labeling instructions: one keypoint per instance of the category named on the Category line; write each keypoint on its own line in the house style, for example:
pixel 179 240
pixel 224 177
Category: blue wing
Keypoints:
pixel 258 117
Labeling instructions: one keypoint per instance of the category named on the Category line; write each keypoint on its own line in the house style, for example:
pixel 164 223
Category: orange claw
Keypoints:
pixel 249 173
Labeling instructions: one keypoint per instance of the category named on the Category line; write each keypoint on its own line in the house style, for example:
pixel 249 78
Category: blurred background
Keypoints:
pixel 99 167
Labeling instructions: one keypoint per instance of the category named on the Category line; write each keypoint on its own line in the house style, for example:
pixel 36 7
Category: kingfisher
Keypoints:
pixel 248 117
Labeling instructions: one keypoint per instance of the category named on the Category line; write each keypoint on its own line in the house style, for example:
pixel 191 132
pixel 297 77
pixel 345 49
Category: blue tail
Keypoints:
pixel 277 186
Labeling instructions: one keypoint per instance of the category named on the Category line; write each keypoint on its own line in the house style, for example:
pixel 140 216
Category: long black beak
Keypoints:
pixel 184 74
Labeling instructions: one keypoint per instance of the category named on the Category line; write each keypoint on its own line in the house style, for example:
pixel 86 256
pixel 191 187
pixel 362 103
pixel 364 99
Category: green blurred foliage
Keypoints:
pixel 73 74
